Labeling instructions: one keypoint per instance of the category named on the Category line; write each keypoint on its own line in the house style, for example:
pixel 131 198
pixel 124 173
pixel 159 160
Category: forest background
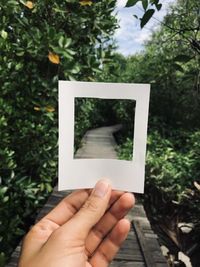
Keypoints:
pixel 41 42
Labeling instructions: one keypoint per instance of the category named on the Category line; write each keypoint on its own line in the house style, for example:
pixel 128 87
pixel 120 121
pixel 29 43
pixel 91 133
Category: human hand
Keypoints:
pixel 84 230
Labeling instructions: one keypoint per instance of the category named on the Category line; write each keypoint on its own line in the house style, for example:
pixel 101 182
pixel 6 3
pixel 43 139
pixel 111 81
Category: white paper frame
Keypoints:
pixel 83 173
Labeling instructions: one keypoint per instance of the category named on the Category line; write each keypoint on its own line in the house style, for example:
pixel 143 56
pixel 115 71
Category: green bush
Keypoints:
pixel 125 150
pixel 170 195
pixel 40 42
pixel 84 108
pixel 172 168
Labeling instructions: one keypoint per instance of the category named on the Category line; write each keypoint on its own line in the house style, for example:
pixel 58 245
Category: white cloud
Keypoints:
pixel 121 3
pixel 143 37
pixel 130 37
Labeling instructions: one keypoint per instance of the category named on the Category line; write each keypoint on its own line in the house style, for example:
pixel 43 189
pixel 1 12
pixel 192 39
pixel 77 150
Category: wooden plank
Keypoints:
pixel 130 253
pixel 127 264
pixel 149 246
pixel 148 257
pixel 141 248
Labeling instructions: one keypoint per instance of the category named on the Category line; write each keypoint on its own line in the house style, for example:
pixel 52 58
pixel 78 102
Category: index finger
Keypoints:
pixel 68 207
pixel 65 210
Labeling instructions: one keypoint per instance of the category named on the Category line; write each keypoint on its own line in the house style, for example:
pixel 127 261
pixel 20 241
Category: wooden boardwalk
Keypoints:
pixel 141 249
pixel 99 143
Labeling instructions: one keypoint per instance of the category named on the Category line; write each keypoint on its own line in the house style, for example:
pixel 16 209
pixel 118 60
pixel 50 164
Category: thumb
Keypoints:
pixel 92 211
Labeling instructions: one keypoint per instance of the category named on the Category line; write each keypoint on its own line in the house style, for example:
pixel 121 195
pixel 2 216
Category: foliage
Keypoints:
pixel 170 195
pixel 149 7
pixel 171 63
pixel 172 169
pixel 84 110
pixel 169 167
pixel 125 150
pixel 40 42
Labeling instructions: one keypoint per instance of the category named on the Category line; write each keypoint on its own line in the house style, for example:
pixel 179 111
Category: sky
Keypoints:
pixel 130 37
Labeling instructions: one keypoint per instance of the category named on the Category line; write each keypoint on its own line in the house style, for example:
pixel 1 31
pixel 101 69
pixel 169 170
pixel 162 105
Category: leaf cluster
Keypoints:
pixel 40 42
pixel 170 63
pixel 149 8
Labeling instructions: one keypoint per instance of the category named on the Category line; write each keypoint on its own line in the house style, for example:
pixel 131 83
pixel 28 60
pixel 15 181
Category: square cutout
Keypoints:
pixel 77 173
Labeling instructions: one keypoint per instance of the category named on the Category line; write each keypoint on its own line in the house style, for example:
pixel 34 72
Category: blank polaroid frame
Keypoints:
pixel 84 173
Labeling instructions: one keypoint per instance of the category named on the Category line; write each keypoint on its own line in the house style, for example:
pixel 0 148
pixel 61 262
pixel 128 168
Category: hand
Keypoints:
pixel 86 229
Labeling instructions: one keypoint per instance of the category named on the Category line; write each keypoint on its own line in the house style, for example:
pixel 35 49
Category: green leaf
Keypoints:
pixel 12 2
pixel 20 53
pixel 5 199
pixel 145 4
pixel 67 55
pixel 131 3
pixel 158 6
pixel 147 15
pixel 75 70
pixel 3 190
pixel 135 16
pixel 12 175
pixel 48 187
pixel 182 58
pixel 154 2
pixel 71 78
pixel 61 41
pixel 4 34
pixel 67 42
pixel 18 66
pixel 70 1
pixel 71 52
pixel 178 67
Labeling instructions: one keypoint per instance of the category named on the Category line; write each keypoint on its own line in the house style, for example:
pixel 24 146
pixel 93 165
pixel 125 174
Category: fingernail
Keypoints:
pixel 101 188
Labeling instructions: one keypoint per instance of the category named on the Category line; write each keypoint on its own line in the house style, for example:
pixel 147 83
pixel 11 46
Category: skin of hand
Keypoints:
pixel 86 229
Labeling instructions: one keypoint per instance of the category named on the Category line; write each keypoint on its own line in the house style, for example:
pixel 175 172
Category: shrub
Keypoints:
pixel 40 42
pixel 172 172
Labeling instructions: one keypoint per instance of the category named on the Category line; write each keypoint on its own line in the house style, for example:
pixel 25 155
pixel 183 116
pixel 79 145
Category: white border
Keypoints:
pixel 83 173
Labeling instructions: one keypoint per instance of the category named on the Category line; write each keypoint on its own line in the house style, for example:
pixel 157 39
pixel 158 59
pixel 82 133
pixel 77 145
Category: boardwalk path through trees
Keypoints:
pixel 141 249
pixel 99 143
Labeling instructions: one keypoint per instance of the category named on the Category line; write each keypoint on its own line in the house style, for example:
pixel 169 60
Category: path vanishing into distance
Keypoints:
pixel 99 143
